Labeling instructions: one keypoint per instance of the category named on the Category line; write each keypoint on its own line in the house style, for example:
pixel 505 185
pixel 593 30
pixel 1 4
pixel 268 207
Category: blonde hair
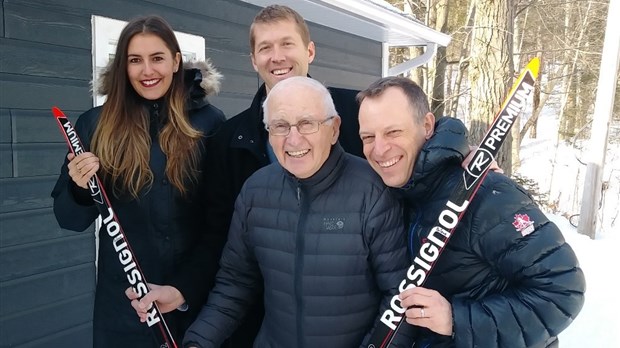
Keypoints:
pixel 277 13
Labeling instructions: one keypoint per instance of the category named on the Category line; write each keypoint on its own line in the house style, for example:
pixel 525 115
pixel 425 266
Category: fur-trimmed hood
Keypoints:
pixel 201 80
pixel 204 75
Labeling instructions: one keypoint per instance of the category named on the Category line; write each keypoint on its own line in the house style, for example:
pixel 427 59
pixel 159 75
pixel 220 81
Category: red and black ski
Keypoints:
pixel 440 233
pixel 112 227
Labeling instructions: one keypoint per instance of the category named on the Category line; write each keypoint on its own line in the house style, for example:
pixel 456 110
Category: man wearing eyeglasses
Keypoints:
pixel 280 47
pixel 318 231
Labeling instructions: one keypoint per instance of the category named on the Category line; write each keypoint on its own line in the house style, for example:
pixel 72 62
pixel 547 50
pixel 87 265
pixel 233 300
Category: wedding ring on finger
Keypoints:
pixel 422 312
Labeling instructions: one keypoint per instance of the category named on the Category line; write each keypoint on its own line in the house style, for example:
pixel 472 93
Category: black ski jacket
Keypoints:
pixel 236 152
pixel 328 251
pixel 511 278
pixel 165 230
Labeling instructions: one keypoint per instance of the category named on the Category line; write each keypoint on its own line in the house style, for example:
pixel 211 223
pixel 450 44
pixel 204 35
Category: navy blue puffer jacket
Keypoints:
pixel 328 250
pixel 511 278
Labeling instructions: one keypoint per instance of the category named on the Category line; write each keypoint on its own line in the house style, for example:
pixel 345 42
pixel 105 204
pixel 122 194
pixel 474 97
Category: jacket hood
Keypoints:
pixel 202 75
pixel 447 148
pixel 201 79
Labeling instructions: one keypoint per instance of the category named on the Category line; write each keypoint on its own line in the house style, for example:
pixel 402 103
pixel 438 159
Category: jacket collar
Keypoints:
pixel 444 151
pixel 256 126
pixel 250 133
pixel 325 176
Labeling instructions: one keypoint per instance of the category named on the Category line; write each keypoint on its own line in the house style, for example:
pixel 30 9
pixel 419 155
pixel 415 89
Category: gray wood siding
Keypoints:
pixel 47 274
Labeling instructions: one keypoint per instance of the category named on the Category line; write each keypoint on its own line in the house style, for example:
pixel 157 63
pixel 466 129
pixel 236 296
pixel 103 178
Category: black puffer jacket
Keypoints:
pixel 328 250
pixel 165 230
pixel 511 283
pixel 236 152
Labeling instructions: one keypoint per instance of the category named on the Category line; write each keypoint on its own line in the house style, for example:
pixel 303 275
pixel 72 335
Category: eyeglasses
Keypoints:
pixel 303 127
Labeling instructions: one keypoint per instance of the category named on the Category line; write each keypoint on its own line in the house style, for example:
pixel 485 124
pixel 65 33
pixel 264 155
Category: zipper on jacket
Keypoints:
pixel 414 244
pixel 299 266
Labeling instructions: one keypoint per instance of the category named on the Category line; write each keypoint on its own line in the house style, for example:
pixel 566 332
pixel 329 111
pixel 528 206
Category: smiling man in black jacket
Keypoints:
pixel 506 278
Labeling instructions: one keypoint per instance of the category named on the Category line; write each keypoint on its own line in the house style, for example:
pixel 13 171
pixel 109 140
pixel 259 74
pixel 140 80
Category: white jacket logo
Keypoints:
pixel 330 224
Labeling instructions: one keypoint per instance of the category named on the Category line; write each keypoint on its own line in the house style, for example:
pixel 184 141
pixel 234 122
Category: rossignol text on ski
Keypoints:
pixel 112 227
pixel 439 235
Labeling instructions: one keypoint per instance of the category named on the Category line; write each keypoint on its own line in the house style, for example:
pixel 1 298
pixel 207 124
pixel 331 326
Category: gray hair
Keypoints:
pixel 284 85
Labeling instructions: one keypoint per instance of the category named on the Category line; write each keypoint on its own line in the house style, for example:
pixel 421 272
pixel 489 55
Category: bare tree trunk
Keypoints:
pixel 456 92
pixel 537 105
pixel 438 99
pixel 520 26
pixel 534 118
pixel 538 100
pixel 519 33
pixel 449 73
pixel 491 68
pixel 439 17
pixel 417 75
pixel 566 128
pixel 463 61
pixel 569 102
pixel 568 13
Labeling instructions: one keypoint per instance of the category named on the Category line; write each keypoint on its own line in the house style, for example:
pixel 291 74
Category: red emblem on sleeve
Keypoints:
pixel 523 224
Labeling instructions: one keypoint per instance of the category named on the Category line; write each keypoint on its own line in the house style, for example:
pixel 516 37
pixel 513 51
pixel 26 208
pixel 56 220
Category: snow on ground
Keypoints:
pixel 598 323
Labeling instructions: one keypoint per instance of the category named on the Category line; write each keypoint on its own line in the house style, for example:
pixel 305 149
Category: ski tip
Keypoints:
pixel 534 66
pixel 57 112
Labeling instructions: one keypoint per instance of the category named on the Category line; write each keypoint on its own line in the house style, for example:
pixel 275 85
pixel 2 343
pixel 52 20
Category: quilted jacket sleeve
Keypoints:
pixel 388 250
pixel 237 283
pixel 543 286
pixel 73 207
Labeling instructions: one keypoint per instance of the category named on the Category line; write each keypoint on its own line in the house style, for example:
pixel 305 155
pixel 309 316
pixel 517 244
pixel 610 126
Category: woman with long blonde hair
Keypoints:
pixel 146 143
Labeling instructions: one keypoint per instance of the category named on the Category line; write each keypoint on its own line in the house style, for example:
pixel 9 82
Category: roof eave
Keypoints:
pixel 365 19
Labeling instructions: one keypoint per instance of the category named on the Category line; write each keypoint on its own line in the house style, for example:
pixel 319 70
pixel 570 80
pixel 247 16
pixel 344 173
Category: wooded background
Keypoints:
pixel 491 41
